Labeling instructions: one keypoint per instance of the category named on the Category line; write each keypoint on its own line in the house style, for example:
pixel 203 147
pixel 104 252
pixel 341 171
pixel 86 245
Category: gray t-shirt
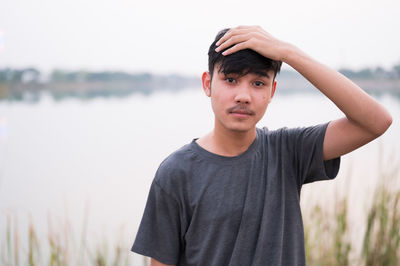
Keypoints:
pixel 207 209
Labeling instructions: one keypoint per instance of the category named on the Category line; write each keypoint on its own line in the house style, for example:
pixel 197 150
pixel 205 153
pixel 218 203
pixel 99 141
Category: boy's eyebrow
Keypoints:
pixel 232 74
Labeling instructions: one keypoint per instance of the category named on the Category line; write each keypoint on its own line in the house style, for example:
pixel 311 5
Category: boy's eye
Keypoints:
pixel 258 83
pixel 230 80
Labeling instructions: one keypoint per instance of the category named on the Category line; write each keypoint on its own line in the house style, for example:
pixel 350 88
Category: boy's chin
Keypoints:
pixel 241 128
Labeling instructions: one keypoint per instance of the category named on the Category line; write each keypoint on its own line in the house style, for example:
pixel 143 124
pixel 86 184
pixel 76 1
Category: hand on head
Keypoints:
pixel 254 38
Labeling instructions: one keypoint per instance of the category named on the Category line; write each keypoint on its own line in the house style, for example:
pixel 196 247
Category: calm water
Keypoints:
pixel 95 160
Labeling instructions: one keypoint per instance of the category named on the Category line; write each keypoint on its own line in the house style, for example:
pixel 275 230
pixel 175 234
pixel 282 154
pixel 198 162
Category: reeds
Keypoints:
pixel 58 249
pixel 381 243
pixel 326 238
pixel 9 247
pixel 327 233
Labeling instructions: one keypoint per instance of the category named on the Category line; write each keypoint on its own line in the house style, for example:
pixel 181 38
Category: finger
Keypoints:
pixel 230 33
pixel 237 47
pixel 232 41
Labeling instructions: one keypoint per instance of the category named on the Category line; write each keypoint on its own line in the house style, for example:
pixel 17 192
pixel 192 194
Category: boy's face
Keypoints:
pixel 238 102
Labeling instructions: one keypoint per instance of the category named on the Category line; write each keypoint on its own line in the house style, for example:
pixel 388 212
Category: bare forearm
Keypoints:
pixel 358 106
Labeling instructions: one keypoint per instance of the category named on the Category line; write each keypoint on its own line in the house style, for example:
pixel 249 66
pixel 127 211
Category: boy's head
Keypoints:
pixel 241 62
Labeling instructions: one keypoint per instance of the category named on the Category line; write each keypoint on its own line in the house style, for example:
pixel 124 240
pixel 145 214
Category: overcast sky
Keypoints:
pixel 173 36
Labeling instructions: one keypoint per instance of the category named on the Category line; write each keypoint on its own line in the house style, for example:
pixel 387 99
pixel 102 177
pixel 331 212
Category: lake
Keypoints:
pixel 89 164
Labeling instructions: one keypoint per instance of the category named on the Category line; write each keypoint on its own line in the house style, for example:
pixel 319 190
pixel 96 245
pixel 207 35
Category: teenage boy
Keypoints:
pixel 232 196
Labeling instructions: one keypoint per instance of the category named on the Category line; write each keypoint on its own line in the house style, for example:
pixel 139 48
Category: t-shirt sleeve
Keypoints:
pixel 308 145
pixel 159 231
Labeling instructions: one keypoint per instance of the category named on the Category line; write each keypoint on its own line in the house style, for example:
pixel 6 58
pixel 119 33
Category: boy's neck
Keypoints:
pixel 226 142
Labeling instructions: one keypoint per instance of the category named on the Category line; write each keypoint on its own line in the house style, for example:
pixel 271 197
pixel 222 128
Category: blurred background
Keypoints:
pixel 95 94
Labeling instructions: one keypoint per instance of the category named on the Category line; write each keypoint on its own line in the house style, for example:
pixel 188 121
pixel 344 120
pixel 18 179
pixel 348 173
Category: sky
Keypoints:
pixel 173 36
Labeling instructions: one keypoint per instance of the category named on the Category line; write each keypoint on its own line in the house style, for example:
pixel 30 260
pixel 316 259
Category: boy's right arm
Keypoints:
pixel 154 262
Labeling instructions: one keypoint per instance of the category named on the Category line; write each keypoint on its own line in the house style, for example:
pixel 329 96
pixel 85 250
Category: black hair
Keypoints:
pixel 241 62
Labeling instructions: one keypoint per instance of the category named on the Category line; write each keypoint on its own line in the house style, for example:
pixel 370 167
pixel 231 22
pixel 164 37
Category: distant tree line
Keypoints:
pixel 103 76
pixel 28 82
pixel 28 75
pixel 33 75
pixel 372 73
pixel 24 75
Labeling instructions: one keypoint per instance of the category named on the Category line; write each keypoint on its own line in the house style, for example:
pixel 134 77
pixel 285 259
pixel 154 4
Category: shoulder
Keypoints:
pixel 295 132
pixel 289 139
pixel 276 135
pixel 174 169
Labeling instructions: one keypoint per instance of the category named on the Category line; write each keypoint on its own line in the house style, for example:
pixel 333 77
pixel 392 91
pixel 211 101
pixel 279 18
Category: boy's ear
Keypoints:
pixel 206 80
pixel 273 89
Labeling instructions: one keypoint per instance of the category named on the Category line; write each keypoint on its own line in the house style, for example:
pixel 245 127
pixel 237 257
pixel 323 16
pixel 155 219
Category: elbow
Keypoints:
pixel 389 121
pixel 383 125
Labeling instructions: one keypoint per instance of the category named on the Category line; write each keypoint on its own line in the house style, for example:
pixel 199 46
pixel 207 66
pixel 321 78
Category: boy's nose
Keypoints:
pixel 243 96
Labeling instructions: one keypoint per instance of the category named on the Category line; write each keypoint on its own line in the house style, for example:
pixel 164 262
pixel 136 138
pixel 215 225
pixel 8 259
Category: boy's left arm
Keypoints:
pixel 365 119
